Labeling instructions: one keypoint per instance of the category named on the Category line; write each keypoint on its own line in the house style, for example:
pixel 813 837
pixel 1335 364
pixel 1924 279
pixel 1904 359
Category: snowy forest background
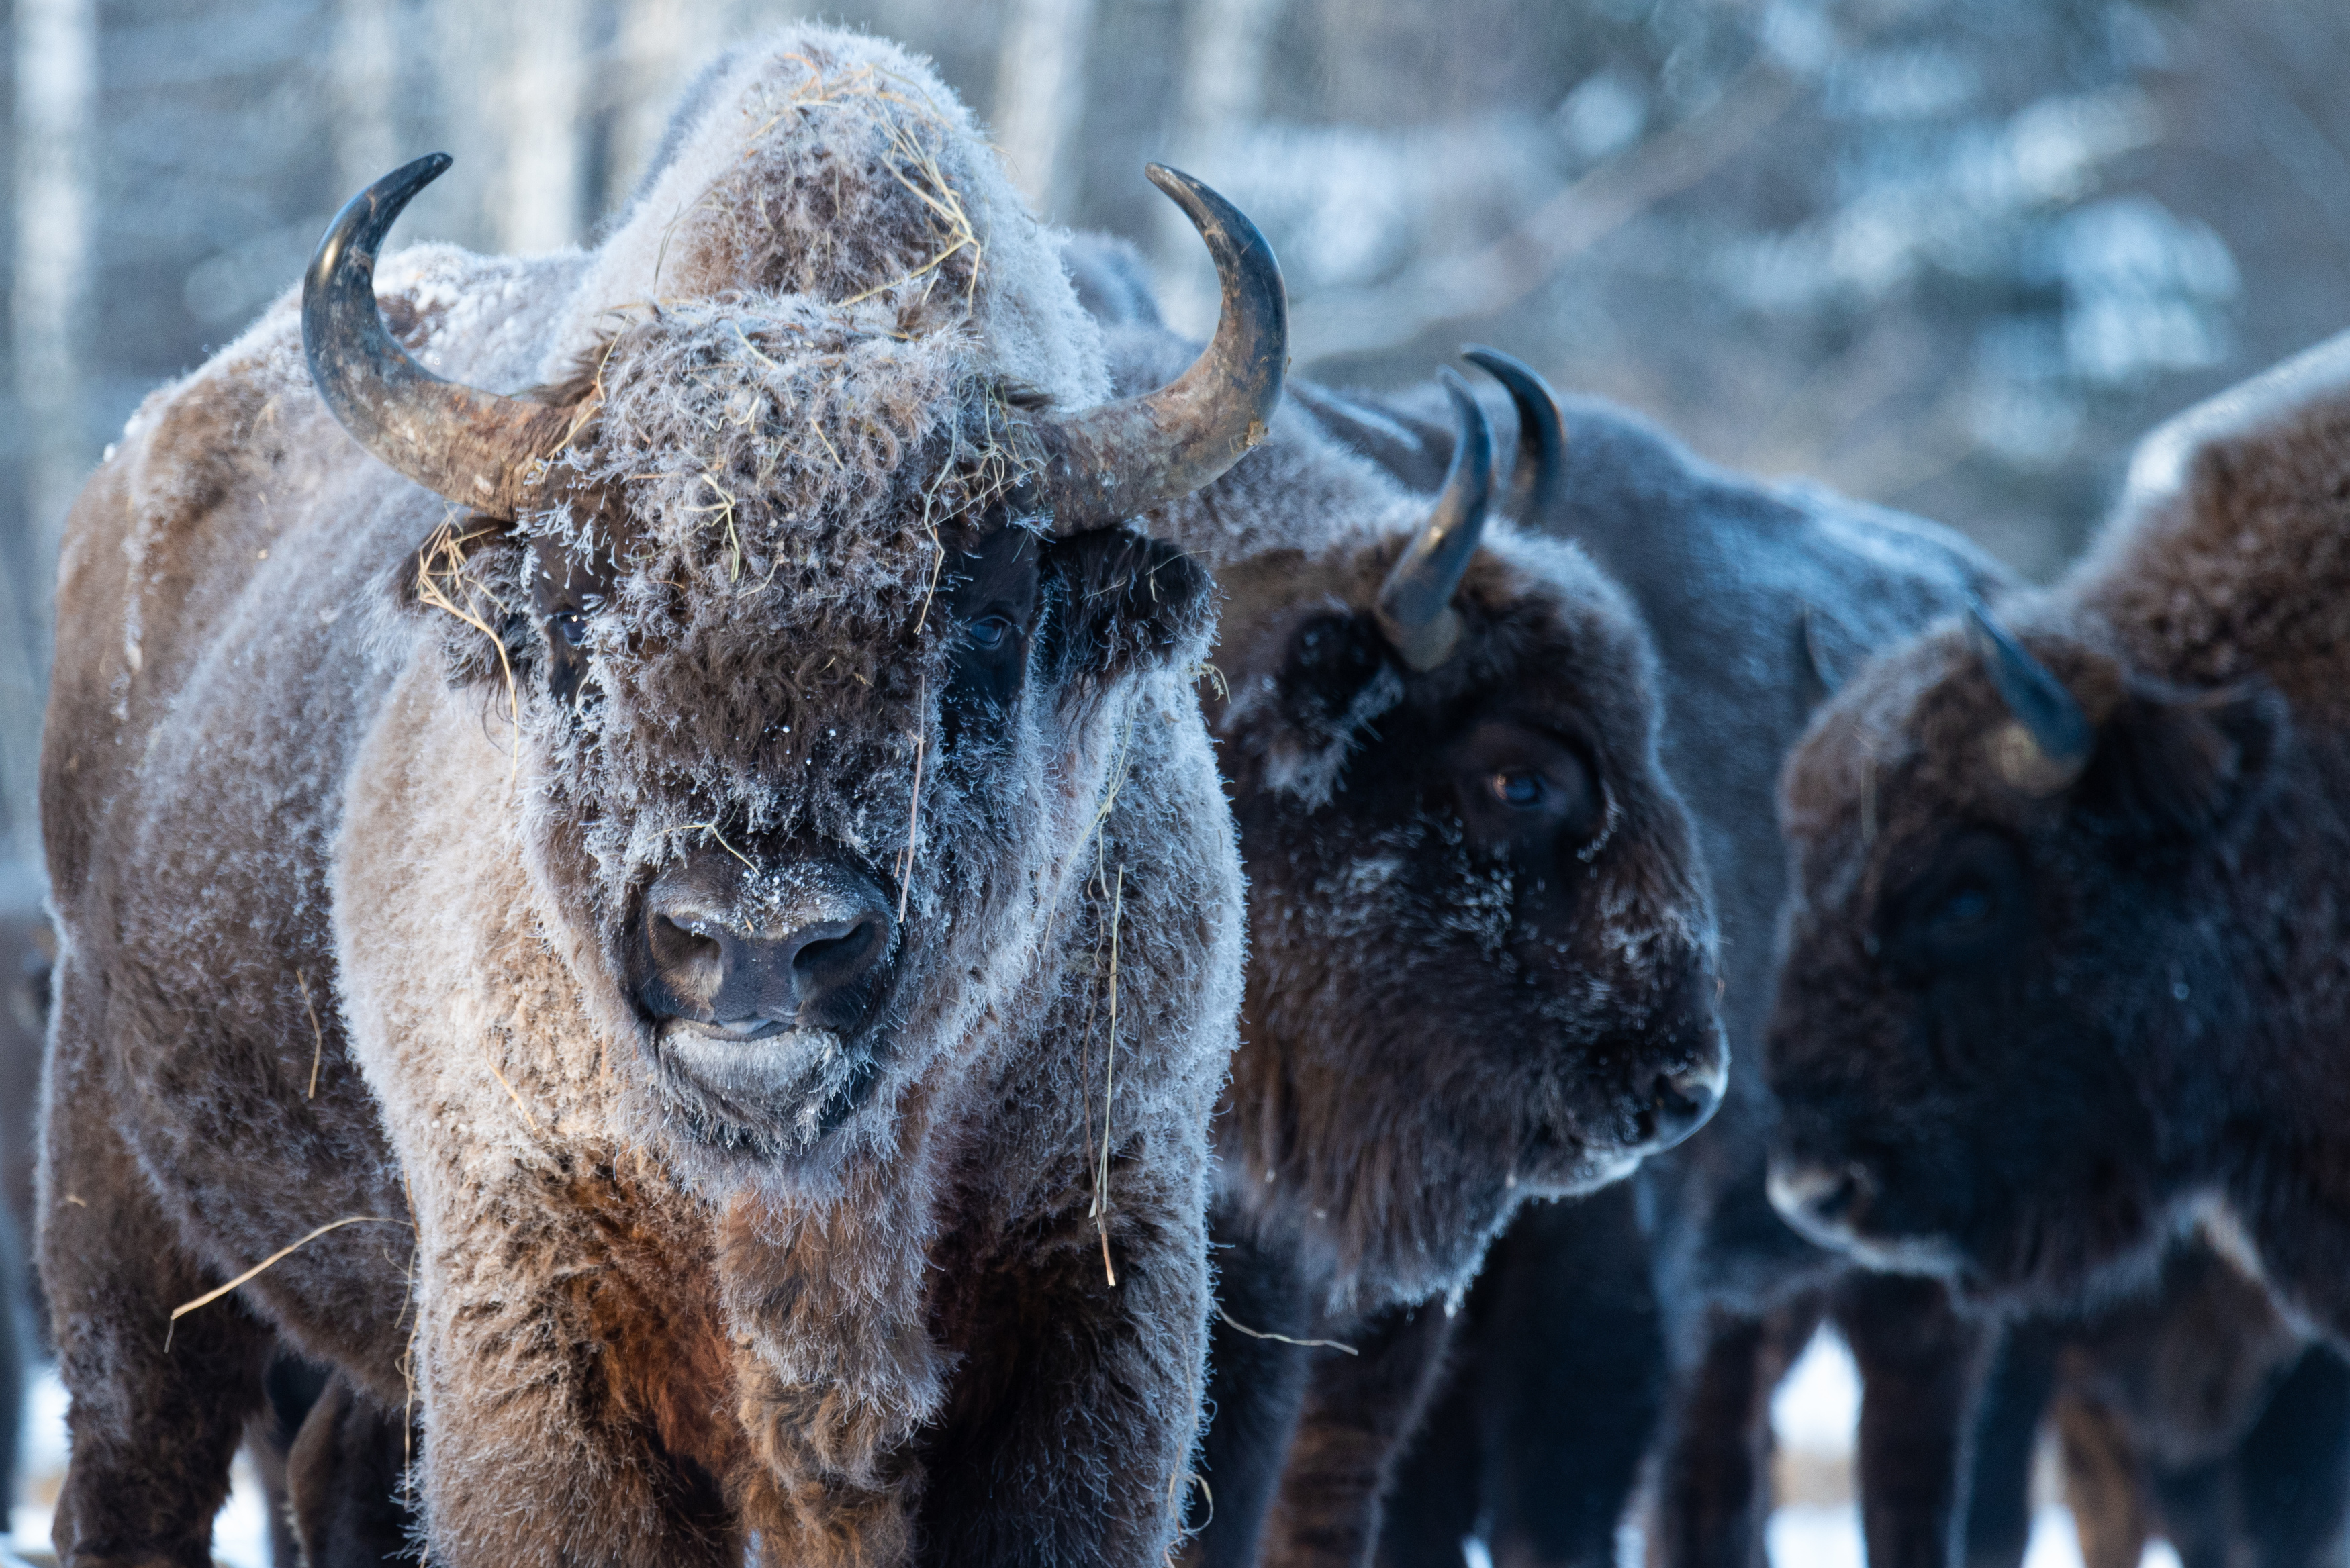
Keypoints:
pixel 1952 255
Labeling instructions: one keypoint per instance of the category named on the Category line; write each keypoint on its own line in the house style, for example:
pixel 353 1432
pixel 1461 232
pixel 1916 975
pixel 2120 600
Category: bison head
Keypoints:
pixel 2001 952
pixel 1482 956
pixel 819 638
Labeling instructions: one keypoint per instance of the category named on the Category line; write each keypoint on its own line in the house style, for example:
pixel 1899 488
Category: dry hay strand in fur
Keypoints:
pixel 1109 1080
pixel 440 569
pixel 914 808
pixel 1239 1328
pixel 279 1256
pixel 318 1035
pixel 491 1063
pixel 710 828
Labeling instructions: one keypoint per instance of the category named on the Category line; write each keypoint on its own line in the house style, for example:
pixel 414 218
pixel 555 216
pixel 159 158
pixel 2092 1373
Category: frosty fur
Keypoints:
pixel 311 805
pixel 2164 1037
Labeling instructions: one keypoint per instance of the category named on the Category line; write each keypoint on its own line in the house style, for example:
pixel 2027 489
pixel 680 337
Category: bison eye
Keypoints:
pixel 1520 788
pixel 988 634
pixel 1965 906
pixel 571 626
pixel 1523 792
pixel 1967 909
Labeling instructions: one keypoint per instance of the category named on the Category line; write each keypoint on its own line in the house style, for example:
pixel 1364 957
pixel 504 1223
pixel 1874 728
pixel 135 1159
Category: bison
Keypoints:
pixel 2065 941
pixel 679 927
pixel 1481 954
pixel 1632 1324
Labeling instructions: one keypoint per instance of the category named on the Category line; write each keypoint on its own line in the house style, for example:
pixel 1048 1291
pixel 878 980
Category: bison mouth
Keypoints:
pixel 777 1091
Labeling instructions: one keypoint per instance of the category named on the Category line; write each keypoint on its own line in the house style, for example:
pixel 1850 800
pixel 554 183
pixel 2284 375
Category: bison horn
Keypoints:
pixel 2044 711
pixel 474 448
pixel 1415 607
pixel 1541 470
pixel 1123 459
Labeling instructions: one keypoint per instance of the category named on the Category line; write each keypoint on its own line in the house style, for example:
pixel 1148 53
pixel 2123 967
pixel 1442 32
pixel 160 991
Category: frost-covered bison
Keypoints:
pixel 1481 959
pixel 2066 941
pixel 687 917
pixel 1638 1336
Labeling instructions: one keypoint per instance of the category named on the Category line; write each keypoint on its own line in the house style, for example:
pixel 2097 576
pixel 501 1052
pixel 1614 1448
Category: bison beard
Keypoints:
pixel 2116 827
pixel 362 810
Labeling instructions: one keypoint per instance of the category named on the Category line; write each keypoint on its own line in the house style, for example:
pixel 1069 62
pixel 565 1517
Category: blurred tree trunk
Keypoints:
pixel 55 61
pixel 1040 93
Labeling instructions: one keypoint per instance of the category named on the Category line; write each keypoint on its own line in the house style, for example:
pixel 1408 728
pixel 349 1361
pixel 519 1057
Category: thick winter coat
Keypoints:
pixel 2065 944
pixel 407 860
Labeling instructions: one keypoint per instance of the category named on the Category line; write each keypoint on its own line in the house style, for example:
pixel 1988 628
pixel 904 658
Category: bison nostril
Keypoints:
pixel 1823 1202
pixel 1680 1102
pixel 837 960
pixel 691 965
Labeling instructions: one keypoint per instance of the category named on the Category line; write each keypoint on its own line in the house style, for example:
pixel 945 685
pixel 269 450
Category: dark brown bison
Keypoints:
pixel 2064 947
pixel 681 927
pixel 1605 1346
pixel 1479 953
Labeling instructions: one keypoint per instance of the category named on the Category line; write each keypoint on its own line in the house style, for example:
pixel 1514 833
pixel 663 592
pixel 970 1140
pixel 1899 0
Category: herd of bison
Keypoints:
pixel 895 917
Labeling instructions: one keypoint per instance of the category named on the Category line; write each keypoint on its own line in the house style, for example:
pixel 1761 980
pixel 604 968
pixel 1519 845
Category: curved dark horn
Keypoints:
pixel 1121 459
pixel 471 446
pixel 2049 713
pixel 1541 470
pixel 1415 608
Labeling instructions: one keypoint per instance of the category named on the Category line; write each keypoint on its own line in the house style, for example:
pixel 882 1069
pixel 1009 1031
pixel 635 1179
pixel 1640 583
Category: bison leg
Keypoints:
pixel 1067 1437
pixel 343 1481
pixel 2293 1469
pixel 1920 1365
pixel 1572 1379
pixel 1255 1385
pixel 2104 1483
pixel 2006 1435
pixel 158 1408
pixel 1713 1488
pixel 1359 1412
pixel 1437 1498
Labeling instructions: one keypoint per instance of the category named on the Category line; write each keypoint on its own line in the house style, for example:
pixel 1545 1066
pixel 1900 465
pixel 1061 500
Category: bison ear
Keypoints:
pixel 1122 603
pixel 2172 768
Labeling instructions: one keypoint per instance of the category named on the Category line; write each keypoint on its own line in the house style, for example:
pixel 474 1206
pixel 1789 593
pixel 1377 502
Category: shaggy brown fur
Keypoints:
pixel 318 806
pixel 2022 1032
pixel 1441 1020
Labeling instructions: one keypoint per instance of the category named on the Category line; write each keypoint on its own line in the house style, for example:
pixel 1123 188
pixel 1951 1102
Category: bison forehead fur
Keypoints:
pixel 2027 1018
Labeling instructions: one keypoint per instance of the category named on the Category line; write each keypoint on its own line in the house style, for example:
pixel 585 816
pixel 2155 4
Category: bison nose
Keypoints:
pixel 1824 1203
pixel 1684 1099
pixel 741 968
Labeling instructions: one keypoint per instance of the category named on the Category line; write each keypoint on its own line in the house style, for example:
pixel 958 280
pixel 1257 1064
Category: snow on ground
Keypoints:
pixel 1813 1414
